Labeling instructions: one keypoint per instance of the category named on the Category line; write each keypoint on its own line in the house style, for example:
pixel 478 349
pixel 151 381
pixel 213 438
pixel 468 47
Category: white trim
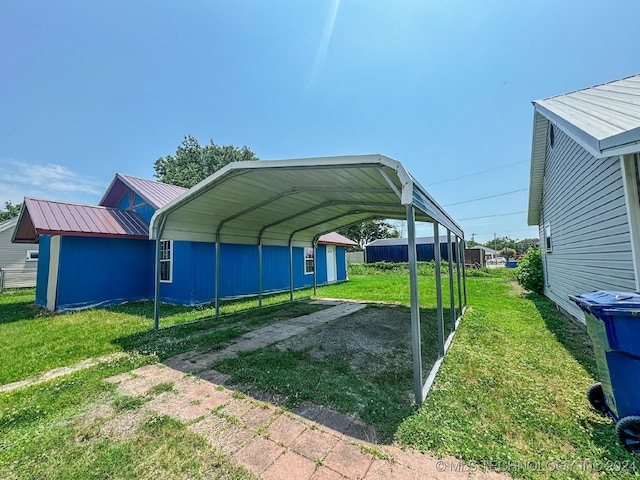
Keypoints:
pixel 31 257
pixel 632 200
pixel 332 262
pixel 54 265
pixel 548 238
pixel 166 260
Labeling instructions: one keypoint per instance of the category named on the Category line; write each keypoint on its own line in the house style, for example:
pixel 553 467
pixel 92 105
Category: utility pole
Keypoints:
pixel 473 237
pixel 495 246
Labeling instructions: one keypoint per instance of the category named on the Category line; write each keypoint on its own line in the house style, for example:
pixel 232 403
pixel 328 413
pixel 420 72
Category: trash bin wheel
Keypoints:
pixel 595 394
pixel 628 431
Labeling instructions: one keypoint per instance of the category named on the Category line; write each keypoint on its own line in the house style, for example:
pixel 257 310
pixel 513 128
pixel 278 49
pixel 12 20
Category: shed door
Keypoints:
pixel 331 263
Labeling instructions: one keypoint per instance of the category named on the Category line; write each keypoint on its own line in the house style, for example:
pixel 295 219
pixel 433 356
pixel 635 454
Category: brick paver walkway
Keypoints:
pixel 312 442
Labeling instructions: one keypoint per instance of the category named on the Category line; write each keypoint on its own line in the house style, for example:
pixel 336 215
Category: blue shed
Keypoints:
pixel 396 250
pixel 101 255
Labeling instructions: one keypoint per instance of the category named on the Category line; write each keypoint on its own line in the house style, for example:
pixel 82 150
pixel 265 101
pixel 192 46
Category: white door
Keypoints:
pixel 331 263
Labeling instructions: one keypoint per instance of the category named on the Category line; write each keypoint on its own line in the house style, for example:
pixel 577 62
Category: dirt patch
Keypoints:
pixel 369 339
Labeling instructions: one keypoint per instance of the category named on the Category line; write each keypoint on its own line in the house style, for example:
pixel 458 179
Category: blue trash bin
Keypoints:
pixel 613 323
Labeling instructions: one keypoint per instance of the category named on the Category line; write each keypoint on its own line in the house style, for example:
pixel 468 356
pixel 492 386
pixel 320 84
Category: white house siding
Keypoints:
pixel 584 203
pixel 18 272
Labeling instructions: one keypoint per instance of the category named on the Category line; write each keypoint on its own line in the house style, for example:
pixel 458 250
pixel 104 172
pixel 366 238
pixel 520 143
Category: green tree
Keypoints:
pixel 193 162
pixel 10 211
pixel 368 231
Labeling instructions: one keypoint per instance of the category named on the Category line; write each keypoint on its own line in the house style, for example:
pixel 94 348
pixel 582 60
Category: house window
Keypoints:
pixel 32 255
pixel 166 261
pixel 547 237
pixel 308 261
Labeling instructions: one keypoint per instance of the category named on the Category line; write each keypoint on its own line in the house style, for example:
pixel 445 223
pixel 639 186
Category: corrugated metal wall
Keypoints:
pixel 400 253
pixel 104 271
pixel 43 271
pixel 584 203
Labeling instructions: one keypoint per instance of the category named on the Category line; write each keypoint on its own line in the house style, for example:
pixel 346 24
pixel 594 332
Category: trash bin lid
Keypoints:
pixel 602 301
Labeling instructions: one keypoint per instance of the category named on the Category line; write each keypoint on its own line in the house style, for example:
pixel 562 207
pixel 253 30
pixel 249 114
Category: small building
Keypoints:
pixel 584 190
pixel 19 263
pixel 396 250
pixel 101 255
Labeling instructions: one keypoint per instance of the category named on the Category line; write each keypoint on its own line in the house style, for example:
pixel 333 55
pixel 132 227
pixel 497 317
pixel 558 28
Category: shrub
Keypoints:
pixel 529 273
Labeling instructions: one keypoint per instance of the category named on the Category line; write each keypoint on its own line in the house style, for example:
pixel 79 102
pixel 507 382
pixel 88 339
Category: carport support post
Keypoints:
pixel 291 270
pixel 458 243
pixel 463 245
pixel 452 295
pixel 315 278
pixel 260 273
pixel 156 297
pixel 415 306
pixel 217 276
pixel 438 272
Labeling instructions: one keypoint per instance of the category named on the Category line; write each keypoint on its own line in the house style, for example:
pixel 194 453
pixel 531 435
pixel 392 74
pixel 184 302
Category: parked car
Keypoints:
pixel 497 261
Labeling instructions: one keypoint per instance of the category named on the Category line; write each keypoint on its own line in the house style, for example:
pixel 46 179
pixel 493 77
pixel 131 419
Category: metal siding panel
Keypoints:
pixel 179 290
pixel 321 264
pixel 238 270
pixel 341 263
pixel 203 260
pixel 103 271
pixel 299 278
pixel 583 201
pixel 43 271
pixel 275 268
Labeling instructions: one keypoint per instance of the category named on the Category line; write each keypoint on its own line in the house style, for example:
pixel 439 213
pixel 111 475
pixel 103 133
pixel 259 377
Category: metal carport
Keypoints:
pixel 293 202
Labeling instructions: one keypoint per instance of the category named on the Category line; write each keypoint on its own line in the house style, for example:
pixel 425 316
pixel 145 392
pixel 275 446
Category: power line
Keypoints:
pixel 491 216
pixel 476 173
pixel 484 198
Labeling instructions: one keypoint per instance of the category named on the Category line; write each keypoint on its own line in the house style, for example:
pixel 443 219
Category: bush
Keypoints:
pixel 529 273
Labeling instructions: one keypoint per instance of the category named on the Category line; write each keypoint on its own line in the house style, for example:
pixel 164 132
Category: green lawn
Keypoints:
pixel 510 393
pixel 42 341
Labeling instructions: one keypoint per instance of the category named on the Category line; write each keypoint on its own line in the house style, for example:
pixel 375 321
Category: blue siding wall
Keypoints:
pixel 238 270
pixel 321 264
pixel 275 268
pixel 341 261
pixel 42 277
pixel 104 271
pixel 144 210
pixel 193 279
pixel 400 253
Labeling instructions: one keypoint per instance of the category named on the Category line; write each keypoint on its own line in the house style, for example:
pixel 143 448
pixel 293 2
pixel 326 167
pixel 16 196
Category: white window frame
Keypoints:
pixel 548 243
pixel 31 257
pixel 166 258
pixel 308 258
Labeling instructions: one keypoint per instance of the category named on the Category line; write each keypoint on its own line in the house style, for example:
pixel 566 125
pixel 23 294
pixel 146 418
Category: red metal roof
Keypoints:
pixel 47 217
pixel 334 238
pixel 157 194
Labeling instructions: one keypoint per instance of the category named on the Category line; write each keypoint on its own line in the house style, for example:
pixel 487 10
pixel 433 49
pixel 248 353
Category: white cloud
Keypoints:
pixel 19 179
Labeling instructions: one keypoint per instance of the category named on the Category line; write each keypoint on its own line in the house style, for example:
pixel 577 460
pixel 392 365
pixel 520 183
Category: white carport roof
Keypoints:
pixel 289 202
pixel 274 202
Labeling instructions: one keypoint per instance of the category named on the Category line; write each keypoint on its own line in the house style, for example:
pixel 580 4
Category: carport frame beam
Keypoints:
pixel 416 341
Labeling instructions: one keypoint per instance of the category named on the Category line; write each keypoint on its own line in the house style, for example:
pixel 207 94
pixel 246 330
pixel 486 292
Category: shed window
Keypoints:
pixel 547 237
pixel 166 261
pixel 308 261
pixel 32 255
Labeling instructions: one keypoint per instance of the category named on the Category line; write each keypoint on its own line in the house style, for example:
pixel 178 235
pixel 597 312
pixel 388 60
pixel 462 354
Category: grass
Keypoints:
pixel 510 393
pixel 47 431
pixel 43 341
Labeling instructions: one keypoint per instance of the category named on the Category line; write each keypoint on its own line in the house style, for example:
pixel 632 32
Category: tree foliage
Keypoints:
pixel 519 246
pixel 10 211
pixel 529 273
pixel 193 162
pixel 369 230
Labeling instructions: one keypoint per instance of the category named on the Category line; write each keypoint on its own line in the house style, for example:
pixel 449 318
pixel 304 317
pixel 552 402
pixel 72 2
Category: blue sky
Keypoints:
pixel 88 88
